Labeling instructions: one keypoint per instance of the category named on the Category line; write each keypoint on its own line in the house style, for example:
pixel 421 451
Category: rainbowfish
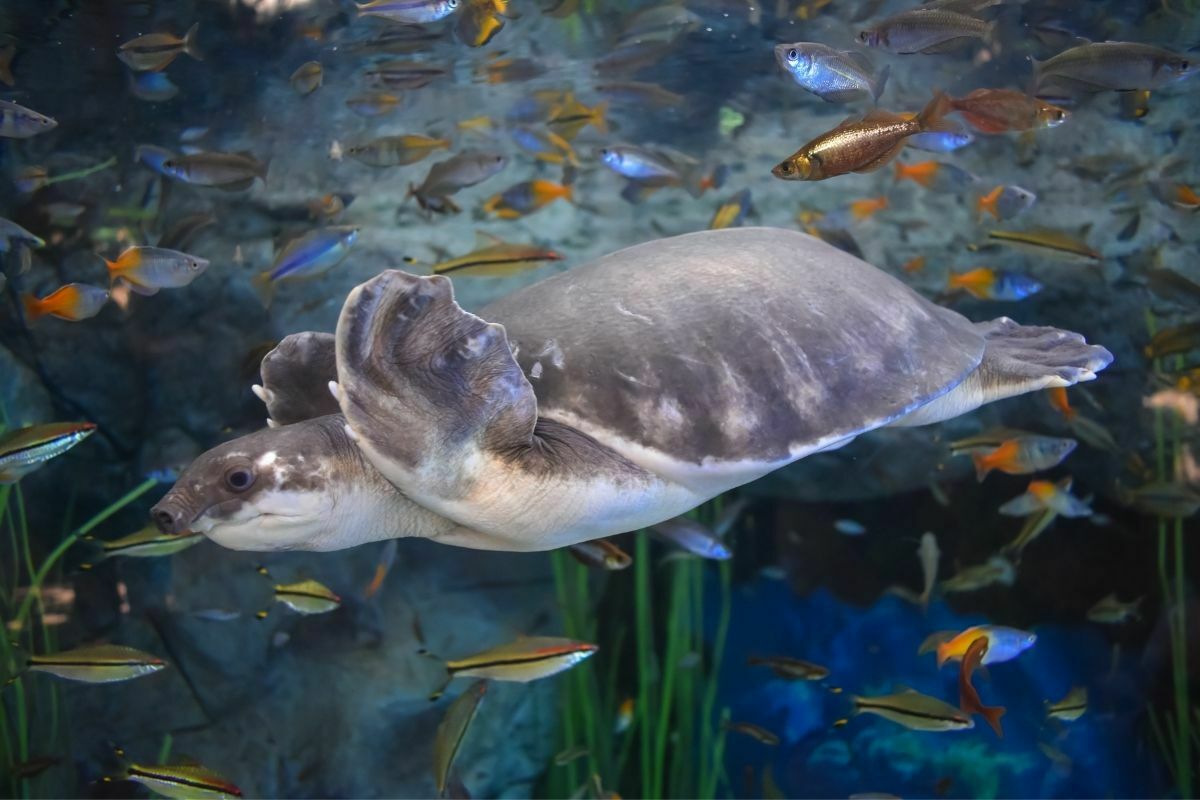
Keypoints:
pixel 859 144
pixel 624 716
pixel 155 51
pixel 480 21
pixel 835 76
pixel 29 180
pixel 913 710
pixel 153 87
pixel 600 553
pixel 1005 202
pixel 26 449
pixel 968 697
pixel 307 78
pixel 1004 644
pixel 924 31
pixel 1116 66
pixel 387 557
pixel 526 659
pixel 304 597
pixel 692 537
pixel 494 257
pixel 1036 523
pixel 73 302
pixel 452 730
pixel 311 254
pixel 178 781
pixel 230 172
pixel 510 70
pixel 732 212
pixel 1001 110
pixel 1022 455
pixel 573 116
pixel 1060 402
pixel 1173 340
pixel 753 731
pixel 373 104
pixel 408 12
pixel 793 669
pixel 544 145
pixel 1042 495
pixel 1046 243
pixel 404 74
pixel 913 265
pixel 954 137
pixel 1111 611
pixel 392 151
pixel 457 172
pixel 867 208
pixel 525 198
pixel 19 122
pixel 1163 498
pixel 149 542
pixel 1073 706
pixel 101 663
pixel 641 93
pixel 148 269
pixel 986 283
pixel 937 176
pixel 996 570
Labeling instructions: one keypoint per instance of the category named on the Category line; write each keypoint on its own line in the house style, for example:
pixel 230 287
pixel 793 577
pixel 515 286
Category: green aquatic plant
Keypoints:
pixel 1173 732
pixel 31 711
pixel 674 744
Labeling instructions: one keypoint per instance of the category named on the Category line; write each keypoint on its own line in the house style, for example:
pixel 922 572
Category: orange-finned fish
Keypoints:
pixel 935 175
pixel 1005 202
pixel 1041 495
pixel 1186 197
pixel 986 283
pixel 1004 644
pixel 179 781
pixel 25 449
pixel 494 257
pixel 913 265
pixel 1060 402
pixel 600 553
pixel 521 661
pixel 387 557
pixel 510 70
pixel 101 663
pixel 968 697
pixel 525 198
pixel 624 717
pixel 148 269
pixel 860 144
pixel 72 302
pixel 753 731
pixel 1022 455
pixel 480 21
pixel 864 209
pixel 572 116
pixel 154 51
pixel 794 669
pixel 394 151
pixel 1001 110
pixel 732 212
pixel 452 730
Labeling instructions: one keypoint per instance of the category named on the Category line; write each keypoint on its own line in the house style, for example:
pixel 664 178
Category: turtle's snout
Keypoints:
pixel 171 515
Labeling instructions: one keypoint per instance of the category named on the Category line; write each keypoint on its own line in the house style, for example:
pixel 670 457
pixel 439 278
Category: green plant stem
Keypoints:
pixel 643 611
pixel 81 173
pixel 558 560
pixel 83 530
pixel 675 639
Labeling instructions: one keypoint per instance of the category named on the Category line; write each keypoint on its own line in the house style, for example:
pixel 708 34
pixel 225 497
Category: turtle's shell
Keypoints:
pixel 746 345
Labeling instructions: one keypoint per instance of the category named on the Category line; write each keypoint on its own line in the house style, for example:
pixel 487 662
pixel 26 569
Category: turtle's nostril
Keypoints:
pixel 168 521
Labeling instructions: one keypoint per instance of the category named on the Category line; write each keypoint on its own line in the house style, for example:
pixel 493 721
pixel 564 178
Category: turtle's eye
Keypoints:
pixel 239 479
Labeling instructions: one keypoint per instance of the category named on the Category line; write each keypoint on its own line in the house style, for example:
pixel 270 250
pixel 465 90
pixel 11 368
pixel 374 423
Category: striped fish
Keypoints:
pixel 452 730
pixel 495 258
pixel 304 597
pixel 22 451
pixel 101 663
pixel 913 710
pixel 181 781
pixel 1071 707
pixel 1046 243
pixel 149 542
pixel 526 659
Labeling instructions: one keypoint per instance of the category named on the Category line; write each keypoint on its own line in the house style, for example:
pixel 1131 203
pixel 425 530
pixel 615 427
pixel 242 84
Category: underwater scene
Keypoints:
pixel 599 398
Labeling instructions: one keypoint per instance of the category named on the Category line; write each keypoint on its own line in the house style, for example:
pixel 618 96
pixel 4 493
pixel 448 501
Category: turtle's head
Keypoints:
pixel 275 489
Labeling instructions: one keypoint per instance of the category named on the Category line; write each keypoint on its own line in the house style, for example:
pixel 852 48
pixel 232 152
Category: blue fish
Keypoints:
pixel 309 255
pixel 836 76
pixel 941 141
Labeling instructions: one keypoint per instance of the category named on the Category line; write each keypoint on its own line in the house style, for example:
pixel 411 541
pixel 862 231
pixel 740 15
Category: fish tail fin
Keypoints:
pixel 264 287
pixel 983 465
pixel 993 714
pixel 943 654
pixel 189 43
pixel 34 310
pixel 880 82
pixel 599 115
pixel 987 203
pixel 930 118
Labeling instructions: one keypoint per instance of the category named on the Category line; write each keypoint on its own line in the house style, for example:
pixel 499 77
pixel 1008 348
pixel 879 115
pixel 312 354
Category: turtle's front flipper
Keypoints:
pixel 1017 359
pixel 295 378
pixel 431 393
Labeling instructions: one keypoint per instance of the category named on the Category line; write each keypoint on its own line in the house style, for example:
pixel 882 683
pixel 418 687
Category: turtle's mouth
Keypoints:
pixel 270 520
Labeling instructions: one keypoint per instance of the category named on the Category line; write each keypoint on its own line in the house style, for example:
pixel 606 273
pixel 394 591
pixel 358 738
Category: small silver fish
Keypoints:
pixel 692 537
pixel 457 172
pixel 11 232
pixel 307 78
pixel 1116 66
pixel 836 76
pixel 408 12
pixel 924 31
pixel 228 171
pixel 19 122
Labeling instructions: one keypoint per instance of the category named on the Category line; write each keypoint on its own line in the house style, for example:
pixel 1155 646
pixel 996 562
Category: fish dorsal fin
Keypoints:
pixel 483 239
pixel 860 60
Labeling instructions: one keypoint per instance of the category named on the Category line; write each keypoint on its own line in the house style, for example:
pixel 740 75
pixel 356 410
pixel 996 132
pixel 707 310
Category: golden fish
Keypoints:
pixel 149 542
pixel 101 663
pixel 913 710
pixel 494 257
pixel 526 659
pixel 859 145
pixel 452 730
pixel 304 597
pixel 1173 340
pixel 1046 243
pixel 179 781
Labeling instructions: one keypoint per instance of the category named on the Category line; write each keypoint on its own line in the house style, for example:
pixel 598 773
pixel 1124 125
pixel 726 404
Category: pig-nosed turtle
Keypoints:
pixel 601 400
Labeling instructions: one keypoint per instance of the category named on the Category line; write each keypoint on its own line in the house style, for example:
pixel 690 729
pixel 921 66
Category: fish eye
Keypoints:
pixel 786 168
pixel 793 55
pixel 1183 66
pixel 239 478
pixel 452 3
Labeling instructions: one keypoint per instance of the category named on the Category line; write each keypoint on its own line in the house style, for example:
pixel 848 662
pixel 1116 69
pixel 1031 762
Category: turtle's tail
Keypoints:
pixel 1017 359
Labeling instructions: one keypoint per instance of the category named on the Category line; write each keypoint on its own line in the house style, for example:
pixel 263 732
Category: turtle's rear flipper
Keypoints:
pixel 1018 359
pixel 296 376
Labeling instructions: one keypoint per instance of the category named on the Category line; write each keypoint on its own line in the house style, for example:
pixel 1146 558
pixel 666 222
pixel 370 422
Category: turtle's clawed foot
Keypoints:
pixel 294 377
pixel 1022 358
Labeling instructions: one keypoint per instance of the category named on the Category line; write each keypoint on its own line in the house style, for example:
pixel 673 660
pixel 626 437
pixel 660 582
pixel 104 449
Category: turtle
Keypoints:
pixel 601 400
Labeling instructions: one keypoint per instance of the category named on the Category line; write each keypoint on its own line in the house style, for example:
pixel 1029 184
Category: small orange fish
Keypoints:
pixel 1023 455
pixel 1186 197
pixel 863 209
pixel 73 302
pixel 1000 110
pixel 922 172
pixel 1060 402
pixel 968 697
pixel 977 282
pixel 624 716
pixel 987 202
pixel 913 265
pixel 1004 644
pixel 525 198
